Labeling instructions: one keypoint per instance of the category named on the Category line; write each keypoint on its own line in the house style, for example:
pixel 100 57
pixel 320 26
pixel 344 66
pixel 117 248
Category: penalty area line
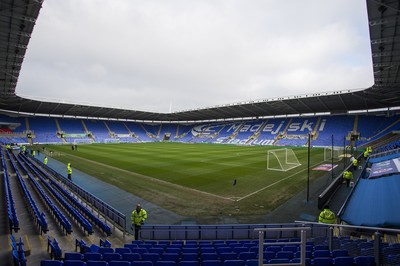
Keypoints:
pixel 273 184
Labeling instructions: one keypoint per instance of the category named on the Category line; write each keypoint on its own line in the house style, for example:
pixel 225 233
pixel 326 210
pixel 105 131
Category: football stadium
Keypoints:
pixel 301 180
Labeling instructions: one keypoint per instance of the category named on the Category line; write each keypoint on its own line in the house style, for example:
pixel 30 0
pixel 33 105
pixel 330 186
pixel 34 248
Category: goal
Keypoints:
pixel 82 141
pixel 337 153
pixel 282 160
pixel 111 140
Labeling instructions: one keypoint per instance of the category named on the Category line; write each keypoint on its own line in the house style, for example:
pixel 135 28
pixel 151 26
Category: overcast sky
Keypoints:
pixel 173 55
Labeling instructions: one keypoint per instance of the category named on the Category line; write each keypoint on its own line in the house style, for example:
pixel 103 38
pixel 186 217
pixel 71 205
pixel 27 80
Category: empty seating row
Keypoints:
pixel 39 216
pixel 54 248
pixel 11 211
pixel 102 225
pixel 86 225
pixel 162 256
pixel 340 261
pixel 18 251
pixel 55 211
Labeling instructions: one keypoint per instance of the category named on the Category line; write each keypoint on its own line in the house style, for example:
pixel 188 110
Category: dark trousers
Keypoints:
pixel 69 177
pixel 137 229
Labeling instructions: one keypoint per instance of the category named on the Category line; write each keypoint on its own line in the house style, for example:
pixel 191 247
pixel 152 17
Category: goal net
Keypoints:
pixel 337 153
pixel 282 160
pixel 111 140
pixel 82 141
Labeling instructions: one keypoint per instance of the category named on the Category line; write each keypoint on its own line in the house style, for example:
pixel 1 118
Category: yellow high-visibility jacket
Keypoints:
pixel 327 216
pixel 138 218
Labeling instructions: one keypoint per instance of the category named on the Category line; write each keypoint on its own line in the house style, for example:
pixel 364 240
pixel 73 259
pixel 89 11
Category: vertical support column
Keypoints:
pixel 330 238
pixel 303 247
pixel 260 248
pixel 377 248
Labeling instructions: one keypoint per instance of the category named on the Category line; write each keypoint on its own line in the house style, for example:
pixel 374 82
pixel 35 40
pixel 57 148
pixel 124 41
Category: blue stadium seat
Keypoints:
pixel 343 261
pixel 189 263
pixel 160 245
pixel 207 249
pixel 157 250
pixel 105 243
pixel 321 253
pixel 224 249
pixel 234 263
pixel 147 246
pixel 170 256
pixel 165 263
pixel 247 255
pixel 96 263
pixel 103 250
pixel 298 254
pixel 278 261
pixel 321 247
pixel 119 263
pixel 267 255
pixel 284 255
pixel 189 257
pixel 364 245
pixel 130 246
pixel 142 263
pixel 131 256
pixel 254 249
pixel 74 263
pixel 189 250
pixel 297 260
pixel 364 261
pixel 322 261
pixel 73 256
pixel 273 248
pixel 211 263
pixel 112 256
pixel 164 242
pixel 209 256
pixel 123 250
pixel 153 257
pixel 290 248
pixel 172 249
pixel 339 253
pixel 252 262
pixel 238 250
pixel 92 256
pixel 228 256
pixel 139 250
pixel 51 263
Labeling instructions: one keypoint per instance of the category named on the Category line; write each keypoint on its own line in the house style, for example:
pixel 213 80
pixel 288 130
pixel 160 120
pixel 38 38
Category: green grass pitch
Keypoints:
pixel 195 179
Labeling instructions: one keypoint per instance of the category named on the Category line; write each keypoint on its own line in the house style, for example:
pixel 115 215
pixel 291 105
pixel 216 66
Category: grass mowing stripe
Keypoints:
pixel 209 169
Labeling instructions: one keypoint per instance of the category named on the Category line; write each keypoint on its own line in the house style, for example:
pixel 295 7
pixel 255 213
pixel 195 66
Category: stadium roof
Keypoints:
pixel 17 21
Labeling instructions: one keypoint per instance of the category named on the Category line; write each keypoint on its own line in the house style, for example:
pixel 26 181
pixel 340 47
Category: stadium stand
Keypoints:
pixel 42 199
pixel 282 132
pixel 44 129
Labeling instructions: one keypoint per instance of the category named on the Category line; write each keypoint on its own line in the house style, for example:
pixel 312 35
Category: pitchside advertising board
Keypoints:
pixel 303 127
pixel 384 168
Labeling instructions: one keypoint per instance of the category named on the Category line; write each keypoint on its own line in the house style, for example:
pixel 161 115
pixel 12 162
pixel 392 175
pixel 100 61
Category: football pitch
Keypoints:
pixel 196 179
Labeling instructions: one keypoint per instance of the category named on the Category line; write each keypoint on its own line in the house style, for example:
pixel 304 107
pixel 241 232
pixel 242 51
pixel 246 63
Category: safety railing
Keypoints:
pixel 302 243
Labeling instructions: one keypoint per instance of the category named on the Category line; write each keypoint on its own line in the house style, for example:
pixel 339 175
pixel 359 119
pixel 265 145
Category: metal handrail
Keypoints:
pixel 302 250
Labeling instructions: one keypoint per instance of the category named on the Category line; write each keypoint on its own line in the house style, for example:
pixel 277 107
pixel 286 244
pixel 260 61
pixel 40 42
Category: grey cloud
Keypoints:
pixel 148 54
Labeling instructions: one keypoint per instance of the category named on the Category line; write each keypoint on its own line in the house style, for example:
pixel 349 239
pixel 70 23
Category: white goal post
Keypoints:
pixel 282 160
pixel 337 153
